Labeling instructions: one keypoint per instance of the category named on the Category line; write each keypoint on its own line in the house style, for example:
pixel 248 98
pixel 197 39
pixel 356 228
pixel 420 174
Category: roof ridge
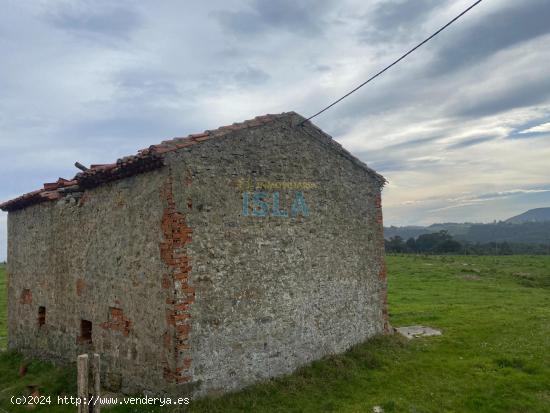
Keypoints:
pixel 182 142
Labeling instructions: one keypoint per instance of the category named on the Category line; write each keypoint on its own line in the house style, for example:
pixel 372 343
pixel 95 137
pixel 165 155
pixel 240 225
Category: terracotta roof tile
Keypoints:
pixel 184 144
pixel 195 136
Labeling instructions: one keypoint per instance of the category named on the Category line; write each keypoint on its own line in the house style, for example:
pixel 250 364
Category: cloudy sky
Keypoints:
pixel 461 129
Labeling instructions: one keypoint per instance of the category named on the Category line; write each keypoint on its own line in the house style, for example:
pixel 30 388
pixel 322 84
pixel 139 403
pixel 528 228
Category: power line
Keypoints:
pixel 394 63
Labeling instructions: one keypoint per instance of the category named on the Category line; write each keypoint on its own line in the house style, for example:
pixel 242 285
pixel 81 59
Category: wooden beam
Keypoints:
pixel 80 166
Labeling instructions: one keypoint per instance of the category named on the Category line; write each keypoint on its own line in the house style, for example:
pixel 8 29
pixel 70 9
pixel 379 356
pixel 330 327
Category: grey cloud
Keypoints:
pixel 322 68
pixel 388 165
pixel 499 30
pixel 484 198
pixel 384 163
pixel 303 17
pixel 96 19
pixel 138 126
pixel 391 94
pixel 146 84
pixel 412 143
pixel 522 131
pixel 511 192
pixel 251 75
pixel 21 180
pixel 477 211
pixel 471 43
pixel 471 142
pixel 513 95
pixel 127 131
pixel 529 135
pixel 393 20
pixel 242 22
pixel 389 158
pixel 233 76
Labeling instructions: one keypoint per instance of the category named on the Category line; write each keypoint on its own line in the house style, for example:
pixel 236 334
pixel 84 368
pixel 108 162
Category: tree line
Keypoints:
pixel 443 243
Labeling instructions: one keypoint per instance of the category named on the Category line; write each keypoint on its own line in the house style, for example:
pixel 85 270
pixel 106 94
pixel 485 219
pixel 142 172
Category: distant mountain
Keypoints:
pixel 533 215
pixel 522 232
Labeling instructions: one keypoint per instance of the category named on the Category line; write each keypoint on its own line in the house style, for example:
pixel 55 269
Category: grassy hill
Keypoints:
pixel 533 215
pixel 492 356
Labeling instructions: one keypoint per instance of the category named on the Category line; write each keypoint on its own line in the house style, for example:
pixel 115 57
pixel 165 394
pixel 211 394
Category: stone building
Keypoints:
pixel 202 264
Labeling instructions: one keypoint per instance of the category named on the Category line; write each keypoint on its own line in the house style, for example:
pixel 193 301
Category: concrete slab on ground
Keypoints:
pixel 417 331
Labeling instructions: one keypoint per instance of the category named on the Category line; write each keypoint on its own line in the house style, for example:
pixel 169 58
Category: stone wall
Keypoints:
pixel 95 258
pixel 243 258
pixel 275 292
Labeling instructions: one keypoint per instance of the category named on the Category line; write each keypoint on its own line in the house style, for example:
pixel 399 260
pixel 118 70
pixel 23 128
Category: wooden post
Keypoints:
pixel 96 382
pixel 80 166
pixel 82 382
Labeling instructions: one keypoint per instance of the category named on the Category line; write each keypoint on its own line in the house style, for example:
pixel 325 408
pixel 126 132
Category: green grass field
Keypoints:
pixel 494 355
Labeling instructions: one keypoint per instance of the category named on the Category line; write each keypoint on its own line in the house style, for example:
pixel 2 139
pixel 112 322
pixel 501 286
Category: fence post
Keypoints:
pixel 82 382
pixel 96 382
pixel 88 390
